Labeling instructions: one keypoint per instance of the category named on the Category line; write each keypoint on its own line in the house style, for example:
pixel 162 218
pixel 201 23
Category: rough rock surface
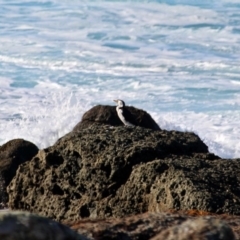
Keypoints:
pixel 12 154
pixel 103 172
pixel 141 226
pixel 162 226
pixel 25 226
pixel 186 183
pixel 107 115
pixel 198 229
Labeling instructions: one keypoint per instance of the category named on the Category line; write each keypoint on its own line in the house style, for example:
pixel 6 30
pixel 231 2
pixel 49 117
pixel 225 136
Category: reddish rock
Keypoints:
pixel 198 229
pixel 161 226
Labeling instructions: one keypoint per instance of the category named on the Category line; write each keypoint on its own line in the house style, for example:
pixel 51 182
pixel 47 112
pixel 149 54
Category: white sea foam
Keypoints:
pixel 177 60
pixel 219 131
pixel 42 115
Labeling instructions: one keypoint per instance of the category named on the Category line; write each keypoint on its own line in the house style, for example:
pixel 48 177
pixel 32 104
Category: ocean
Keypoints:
pixel 179 60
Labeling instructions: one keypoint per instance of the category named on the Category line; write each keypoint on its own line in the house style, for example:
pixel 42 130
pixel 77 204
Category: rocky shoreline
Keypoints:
pixel 107 181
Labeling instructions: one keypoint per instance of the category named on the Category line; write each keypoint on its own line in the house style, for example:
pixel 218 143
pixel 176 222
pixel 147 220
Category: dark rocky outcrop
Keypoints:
pixel 187 183
pixel 104 171
pixel 12 154
pixel 107 115
pixel 26 226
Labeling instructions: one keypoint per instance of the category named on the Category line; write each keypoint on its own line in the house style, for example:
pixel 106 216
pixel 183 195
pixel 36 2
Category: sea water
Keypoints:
pixel 179 60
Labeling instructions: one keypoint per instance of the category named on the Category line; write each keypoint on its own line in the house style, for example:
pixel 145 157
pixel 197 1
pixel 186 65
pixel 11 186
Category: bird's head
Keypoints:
pixel 120 103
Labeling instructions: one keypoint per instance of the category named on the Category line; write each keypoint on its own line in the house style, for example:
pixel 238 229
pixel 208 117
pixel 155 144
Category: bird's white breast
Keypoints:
pixel 121 116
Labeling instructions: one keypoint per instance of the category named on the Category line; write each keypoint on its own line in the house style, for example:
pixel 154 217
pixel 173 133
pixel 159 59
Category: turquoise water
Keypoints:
pixel 178 60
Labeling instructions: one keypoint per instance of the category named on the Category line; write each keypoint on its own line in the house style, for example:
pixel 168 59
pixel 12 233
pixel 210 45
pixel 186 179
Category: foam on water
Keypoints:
pixel 178 60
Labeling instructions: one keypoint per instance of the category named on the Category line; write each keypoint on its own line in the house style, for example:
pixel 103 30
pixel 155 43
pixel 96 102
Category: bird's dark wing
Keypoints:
pixel 129 116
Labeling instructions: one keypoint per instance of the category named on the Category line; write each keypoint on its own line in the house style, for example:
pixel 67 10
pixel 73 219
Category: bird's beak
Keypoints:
pixel 115 101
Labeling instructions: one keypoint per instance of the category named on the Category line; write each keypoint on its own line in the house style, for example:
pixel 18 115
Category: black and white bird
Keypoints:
pixel 123 113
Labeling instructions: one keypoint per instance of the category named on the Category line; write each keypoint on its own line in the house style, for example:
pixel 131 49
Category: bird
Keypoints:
pixel 123 113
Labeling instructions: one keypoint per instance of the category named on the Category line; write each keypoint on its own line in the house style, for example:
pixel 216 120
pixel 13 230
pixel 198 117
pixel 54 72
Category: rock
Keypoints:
pixel 182 183
pixel 12 154
pixel 107 115
pixel 26 226
pixel 161 226
pixel 198 229
pixel 141 226
pixel 103 172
